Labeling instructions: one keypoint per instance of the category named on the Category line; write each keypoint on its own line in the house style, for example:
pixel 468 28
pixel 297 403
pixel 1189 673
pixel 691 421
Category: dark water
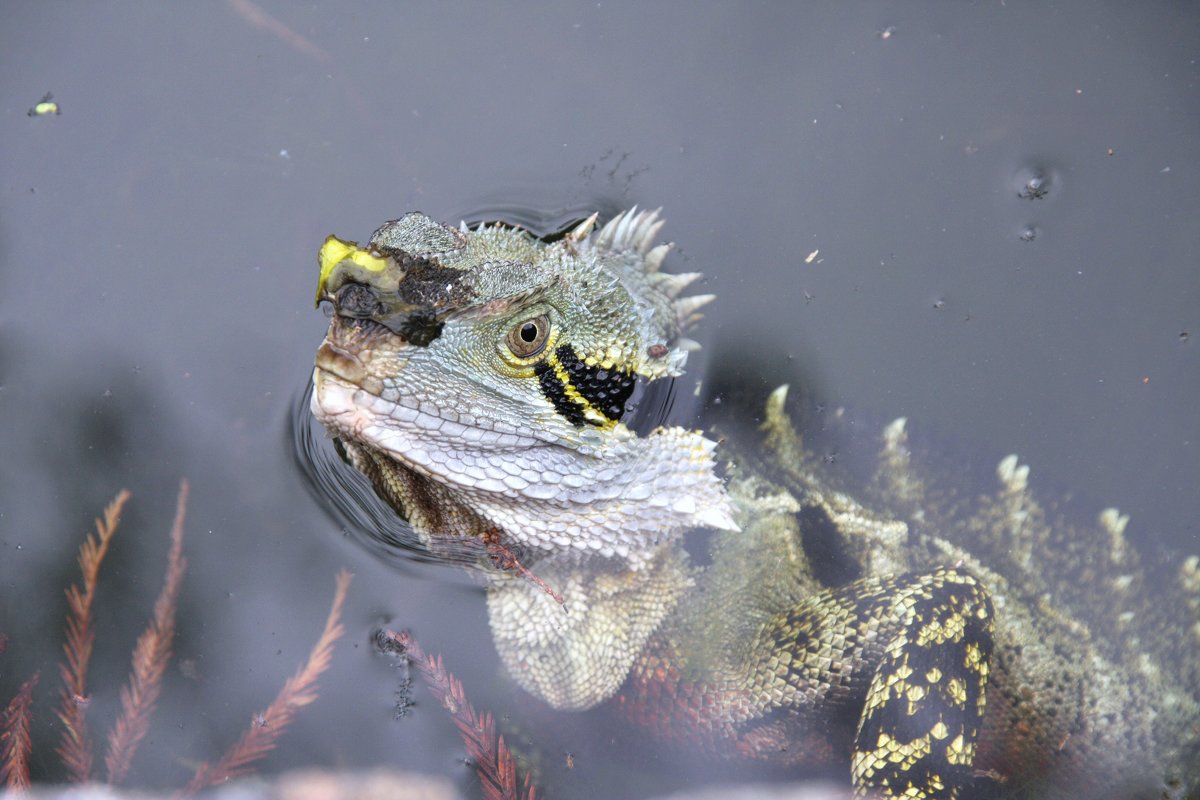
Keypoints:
pixel 1004 197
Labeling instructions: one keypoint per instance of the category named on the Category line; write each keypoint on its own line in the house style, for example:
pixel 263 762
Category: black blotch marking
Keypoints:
pixel 419 327
pixel 554 391
pixel 426 293
pixel 427 283
pixel 950 658
pixel 356 301
pixel 606 390
pixel 828 553
pixel 365 307
pixel 795 636
pixel 952 776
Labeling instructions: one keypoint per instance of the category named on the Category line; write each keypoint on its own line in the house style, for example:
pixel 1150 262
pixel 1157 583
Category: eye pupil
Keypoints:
pixel 528 338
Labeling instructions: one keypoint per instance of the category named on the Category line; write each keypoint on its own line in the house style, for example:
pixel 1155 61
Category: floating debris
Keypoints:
pixel 46 107
pixel 1034 181
pixel 1034 188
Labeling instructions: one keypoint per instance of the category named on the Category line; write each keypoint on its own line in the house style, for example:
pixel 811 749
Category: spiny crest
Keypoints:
pixel 630 230
pixel 631 233
pixel 634 232
pixel 419 272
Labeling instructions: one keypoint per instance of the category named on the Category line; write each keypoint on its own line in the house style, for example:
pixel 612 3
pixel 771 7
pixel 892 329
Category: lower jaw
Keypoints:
pixel 346 367
pixel 332 399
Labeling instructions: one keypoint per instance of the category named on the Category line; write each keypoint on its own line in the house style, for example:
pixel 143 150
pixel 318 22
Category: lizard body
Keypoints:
pixel 482 379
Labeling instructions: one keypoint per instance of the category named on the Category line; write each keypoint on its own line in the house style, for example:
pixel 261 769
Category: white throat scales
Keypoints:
pixel 620 499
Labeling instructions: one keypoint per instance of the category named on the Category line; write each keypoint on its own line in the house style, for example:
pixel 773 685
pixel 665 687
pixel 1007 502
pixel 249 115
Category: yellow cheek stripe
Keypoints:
pixel 589 411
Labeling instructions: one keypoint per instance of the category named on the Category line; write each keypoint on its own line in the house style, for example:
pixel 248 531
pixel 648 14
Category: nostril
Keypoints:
pixel 356 300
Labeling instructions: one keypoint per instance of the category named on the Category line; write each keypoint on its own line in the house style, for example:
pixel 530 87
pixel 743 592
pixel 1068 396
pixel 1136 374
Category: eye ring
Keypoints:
pixel 528 338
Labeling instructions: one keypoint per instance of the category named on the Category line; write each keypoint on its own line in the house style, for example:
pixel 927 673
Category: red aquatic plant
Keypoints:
pixel 75 748
pixel 267 726
pixel 139 696
pixel 15 744
pixel 494 763
pixel 150 659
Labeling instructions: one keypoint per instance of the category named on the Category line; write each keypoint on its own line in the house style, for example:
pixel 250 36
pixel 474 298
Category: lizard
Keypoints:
pixel 483 379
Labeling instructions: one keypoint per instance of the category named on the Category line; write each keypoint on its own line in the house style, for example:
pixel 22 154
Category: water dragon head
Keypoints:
pixel 481 377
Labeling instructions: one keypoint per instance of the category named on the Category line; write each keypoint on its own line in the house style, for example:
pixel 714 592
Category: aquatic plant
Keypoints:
pixel 14 738
pixel 150 658
pixel 139 696
pixel 494 762
pixel 75 748
pixel 267 726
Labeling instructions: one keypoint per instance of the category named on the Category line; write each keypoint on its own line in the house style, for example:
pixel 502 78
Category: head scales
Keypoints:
pixel 413 373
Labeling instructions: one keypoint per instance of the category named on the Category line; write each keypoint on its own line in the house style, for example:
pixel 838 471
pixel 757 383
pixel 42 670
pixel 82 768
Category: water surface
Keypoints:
pixel 1001 197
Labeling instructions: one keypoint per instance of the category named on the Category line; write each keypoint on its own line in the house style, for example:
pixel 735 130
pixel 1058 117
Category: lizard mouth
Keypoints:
pixel 344 364
pixel 347 348
pixel 432 444
pixel 355 415
pixel 340 362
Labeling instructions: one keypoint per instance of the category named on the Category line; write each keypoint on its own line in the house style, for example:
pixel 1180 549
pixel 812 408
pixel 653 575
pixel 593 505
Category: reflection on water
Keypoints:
pixel 347 496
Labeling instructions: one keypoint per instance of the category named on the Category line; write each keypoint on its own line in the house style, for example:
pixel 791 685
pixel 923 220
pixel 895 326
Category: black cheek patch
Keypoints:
pixel 554 391
pixel 606 390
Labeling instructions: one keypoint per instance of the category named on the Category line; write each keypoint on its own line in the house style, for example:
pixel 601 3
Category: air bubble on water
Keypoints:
pixel 1034 181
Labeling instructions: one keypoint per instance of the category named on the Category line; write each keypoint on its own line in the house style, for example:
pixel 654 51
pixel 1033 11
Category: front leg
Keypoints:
pixel 907 657
pixel 924 707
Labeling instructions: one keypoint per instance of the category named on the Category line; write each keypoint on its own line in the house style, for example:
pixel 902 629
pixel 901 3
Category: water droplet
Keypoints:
pixel 1034 181
pixel 1028 233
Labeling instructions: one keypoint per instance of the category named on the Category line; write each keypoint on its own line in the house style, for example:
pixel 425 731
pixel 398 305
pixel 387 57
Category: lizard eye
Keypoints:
pixel 528 338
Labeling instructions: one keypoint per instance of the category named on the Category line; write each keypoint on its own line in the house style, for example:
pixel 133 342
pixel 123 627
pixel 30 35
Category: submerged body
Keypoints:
pixel 482 379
